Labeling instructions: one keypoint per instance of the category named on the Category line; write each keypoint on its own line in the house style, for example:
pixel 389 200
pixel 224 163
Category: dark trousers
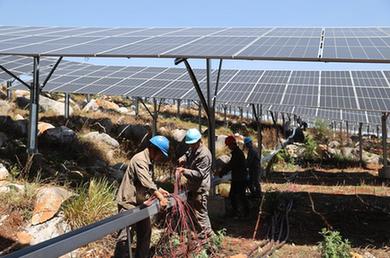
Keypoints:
pixel 198 203
pixel 254 182
pixel 143 231
pixel 238 199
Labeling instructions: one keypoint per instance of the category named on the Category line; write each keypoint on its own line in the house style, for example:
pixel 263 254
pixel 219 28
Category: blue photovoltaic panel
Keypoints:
pixel 369 79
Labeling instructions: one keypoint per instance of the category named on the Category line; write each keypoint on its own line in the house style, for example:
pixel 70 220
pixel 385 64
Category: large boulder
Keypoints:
pixel 5 107
pixel 137 134
pixel 35 234
pixel 103 105
pixel 350 153
pixel 178 134
pixel 13 127
pixel 45 104
pixel 102 138
pixel 42 127
pixel 3 139
pixel 221 163
pixel 220 142
pixel 4 174
pixel 104 125
pixel 6 187
pixel 334 144
pixel 59 135
pixel 296 150
pixel 48 202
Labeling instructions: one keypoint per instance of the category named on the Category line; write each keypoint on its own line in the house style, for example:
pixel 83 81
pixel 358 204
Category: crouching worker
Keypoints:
pixel 195 166
pixel 136 187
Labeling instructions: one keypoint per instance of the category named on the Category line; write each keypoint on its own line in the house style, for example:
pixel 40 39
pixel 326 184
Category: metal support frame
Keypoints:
pixel 154 113
pixel 35 90
pixel 360 144
pixel 9 92
pixel 347 129
pixel 178 107
pixel 385 169
pixel 66 106
pixel 200 117
pixel 225 115
pixel 70 241
pixel 257 113
pixel 209 103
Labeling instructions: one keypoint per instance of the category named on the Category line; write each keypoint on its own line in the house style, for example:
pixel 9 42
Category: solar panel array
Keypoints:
pixel 340 90
pixel 314 44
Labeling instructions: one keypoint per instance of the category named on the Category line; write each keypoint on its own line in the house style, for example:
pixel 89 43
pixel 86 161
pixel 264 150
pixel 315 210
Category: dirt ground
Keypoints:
pixel 354 202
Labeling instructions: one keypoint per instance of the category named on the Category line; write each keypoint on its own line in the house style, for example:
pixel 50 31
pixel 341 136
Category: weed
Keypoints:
pixel 333 245
pixel 94 201
pixel 310 148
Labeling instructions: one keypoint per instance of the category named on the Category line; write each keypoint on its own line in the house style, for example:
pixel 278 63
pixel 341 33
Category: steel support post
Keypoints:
pixel 66 106
pixel 9 92
pixel 154 117
pixel 377 131
pixel 88 98
pixel 360 144
pixel 257 113
pixel 347 128
pixel 225 115
pixel 128 233
pixel 200 117
pixel 34 109
pixel 178 107
pixel 211 118
pixel 137 106
pixel 385 169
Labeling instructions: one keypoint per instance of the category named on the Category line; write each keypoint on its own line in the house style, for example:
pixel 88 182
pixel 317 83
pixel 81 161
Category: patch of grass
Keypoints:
pixel 310 148
pixel 20 200
pixel 333 245
pixel 94 202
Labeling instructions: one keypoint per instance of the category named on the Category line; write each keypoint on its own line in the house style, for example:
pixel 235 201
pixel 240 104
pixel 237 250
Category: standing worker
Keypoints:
pixel 137 186
pixel 195 166
pixel 239 178
pixel 253 165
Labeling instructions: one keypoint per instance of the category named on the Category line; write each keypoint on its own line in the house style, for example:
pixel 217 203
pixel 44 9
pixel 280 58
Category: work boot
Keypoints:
pixel 121 250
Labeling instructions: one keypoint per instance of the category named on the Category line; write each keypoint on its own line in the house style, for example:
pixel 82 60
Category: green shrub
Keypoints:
pixel 93 202
pixel 323 132
pixel 333 245
pixel 310 148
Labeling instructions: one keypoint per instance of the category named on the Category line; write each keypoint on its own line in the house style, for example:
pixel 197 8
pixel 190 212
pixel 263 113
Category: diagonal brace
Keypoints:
pixel 51 72
pixel 14 76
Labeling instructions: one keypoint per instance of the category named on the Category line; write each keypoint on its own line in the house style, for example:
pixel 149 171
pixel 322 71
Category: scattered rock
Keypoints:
pixel 59 135
pixel 4 174
pixel 239 256
pixel 103 105
pixel 48 202
pixel 42 127
pixel 19 117
pixel 3 139
pixel 178 134
pixel 5 106
pixel 221 163
pixel 137 134
pixel 220 142
pixel 334 144
pixel 123 110
pixel 45 104
pixel 355 255
pixel 104 125
pixel 21 93
pixel 102 138
pixel 48 230
pixel 367 254
pixel 24 238
pixel 6 187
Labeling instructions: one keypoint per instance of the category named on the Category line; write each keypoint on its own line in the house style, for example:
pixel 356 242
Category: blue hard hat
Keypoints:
pixel 162 143
pixel 247 140
pixel 192 136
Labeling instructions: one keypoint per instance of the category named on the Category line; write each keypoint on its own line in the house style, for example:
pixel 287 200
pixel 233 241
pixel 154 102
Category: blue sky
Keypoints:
pixel 176 13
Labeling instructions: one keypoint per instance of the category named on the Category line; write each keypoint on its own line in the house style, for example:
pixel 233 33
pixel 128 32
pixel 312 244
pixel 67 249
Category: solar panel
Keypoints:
pixel 369 78
pixel 373 98
pixel 301 95
pixel 295 32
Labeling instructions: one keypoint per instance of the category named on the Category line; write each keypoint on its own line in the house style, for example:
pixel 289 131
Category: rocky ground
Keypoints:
pixel 40 196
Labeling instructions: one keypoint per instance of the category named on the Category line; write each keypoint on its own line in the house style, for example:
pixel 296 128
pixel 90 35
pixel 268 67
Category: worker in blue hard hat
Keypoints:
pixel 138 186
pixel 253 166
pixel 195 166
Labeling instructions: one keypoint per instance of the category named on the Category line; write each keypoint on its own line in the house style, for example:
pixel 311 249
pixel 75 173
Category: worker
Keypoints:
pixel 195 166
pixel 136 187
pixel 253 166
pixel 239 179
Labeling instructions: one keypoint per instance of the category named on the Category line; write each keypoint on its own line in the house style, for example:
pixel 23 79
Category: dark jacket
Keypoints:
pixel 237 165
